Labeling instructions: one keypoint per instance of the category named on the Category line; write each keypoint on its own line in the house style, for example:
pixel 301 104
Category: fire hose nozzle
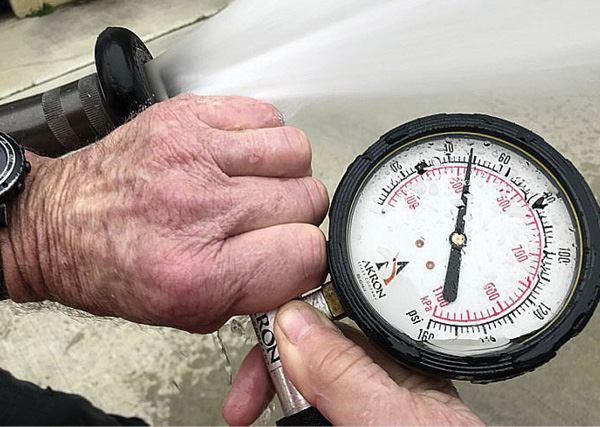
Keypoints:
pixel 74 115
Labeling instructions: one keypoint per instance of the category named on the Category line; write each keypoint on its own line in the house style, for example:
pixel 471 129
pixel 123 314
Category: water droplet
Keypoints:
pixel 433 189
pixel 236 327
pixel 419 243
pixel 224 355
pixel 430 265
pixel 487 143
pixel 420 187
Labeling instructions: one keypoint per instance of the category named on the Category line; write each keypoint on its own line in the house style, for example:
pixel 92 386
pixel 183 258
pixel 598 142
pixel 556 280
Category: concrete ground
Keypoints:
pixel 171 377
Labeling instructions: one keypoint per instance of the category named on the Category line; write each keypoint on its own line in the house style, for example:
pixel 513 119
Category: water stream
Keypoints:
pixel 298 50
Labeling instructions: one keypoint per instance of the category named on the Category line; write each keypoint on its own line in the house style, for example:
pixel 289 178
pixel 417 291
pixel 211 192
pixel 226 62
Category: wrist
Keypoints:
pixel 19 240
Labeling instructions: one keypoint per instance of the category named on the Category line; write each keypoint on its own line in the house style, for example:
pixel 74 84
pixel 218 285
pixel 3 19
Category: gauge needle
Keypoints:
pixel 457 240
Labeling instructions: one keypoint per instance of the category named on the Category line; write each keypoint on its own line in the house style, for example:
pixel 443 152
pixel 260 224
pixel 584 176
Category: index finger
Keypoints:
pixel 282 152
pixel 232 113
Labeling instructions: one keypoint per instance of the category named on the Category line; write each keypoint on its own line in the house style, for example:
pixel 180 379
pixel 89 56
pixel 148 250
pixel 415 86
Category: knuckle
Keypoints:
pixel 316 194
pixel 298 143
pixel 163 111
pixel 232 152
pixel 171 134
pixel 180 199
pixel 311 243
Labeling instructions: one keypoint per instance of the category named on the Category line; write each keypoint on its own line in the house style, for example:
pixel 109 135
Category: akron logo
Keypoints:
pixel 397 267
pixel 381 274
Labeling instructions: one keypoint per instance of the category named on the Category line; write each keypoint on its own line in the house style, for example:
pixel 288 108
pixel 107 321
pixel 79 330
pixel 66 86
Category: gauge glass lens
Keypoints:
pixel 515 260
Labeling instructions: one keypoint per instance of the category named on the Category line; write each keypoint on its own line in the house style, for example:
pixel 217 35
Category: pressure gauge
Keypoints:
pixel 465 246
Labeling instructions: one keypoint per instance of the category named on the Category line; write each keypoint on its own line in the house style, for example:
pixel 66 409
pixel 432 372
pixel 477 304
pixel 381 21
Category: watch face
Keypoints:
pixel 12 168
pixel 3 156
pixel 7 160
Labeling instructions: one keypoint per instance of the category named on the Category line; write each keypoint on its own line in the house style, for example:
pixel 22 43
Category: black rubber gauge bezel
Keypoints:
pixel 519 357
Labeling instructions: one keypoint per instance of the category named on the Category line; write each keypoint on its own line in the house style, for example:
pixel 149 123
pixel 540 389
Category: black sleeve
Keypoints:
pixel 24 403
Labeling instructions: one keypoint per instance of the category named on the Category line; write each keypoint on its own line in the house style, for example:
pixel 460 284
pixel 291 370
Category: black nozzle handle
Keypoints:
pixel 120 59
pixel 307 417
pixel 79 113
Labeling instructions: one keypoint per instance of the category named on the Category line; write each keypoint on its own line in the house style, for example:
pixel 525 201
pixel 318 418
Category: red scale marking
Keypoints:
pixel 440 314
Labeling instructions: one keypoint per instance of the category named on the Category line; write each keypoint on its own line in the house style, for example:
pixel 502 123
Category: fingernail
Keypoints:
pixel 296 322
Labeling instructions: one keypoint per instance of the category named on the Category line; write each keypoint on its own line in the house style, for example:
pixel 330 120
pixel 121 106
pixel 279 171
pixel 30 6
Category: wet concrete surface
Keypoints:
pixel 174 378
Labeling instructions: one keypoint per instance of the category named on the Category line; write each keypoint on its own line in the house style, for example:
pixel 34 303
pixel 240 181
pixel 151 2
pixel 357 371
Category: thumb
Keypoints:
pixel 335 374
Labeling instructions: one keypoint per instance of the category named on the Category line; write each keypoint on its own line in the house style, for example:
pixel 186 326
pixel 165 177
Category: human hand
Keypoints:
pixel 196 210
pixel 350 381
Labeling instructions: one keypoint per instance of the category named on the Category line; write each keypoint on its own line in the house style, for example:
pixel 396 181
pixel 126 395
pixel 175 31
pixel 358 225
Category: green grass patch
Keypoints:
pixel 46 9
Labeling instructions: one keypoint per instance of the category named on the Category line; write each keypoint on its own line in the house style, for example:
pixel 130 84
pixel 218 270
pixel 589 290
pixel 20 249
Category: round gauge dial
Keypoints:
pixel 461 244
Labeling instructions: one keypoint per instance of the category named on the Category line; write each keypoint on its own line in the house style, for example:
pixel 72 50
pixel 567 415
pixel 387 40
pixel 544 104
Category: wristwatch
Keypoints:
pixel 13 169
